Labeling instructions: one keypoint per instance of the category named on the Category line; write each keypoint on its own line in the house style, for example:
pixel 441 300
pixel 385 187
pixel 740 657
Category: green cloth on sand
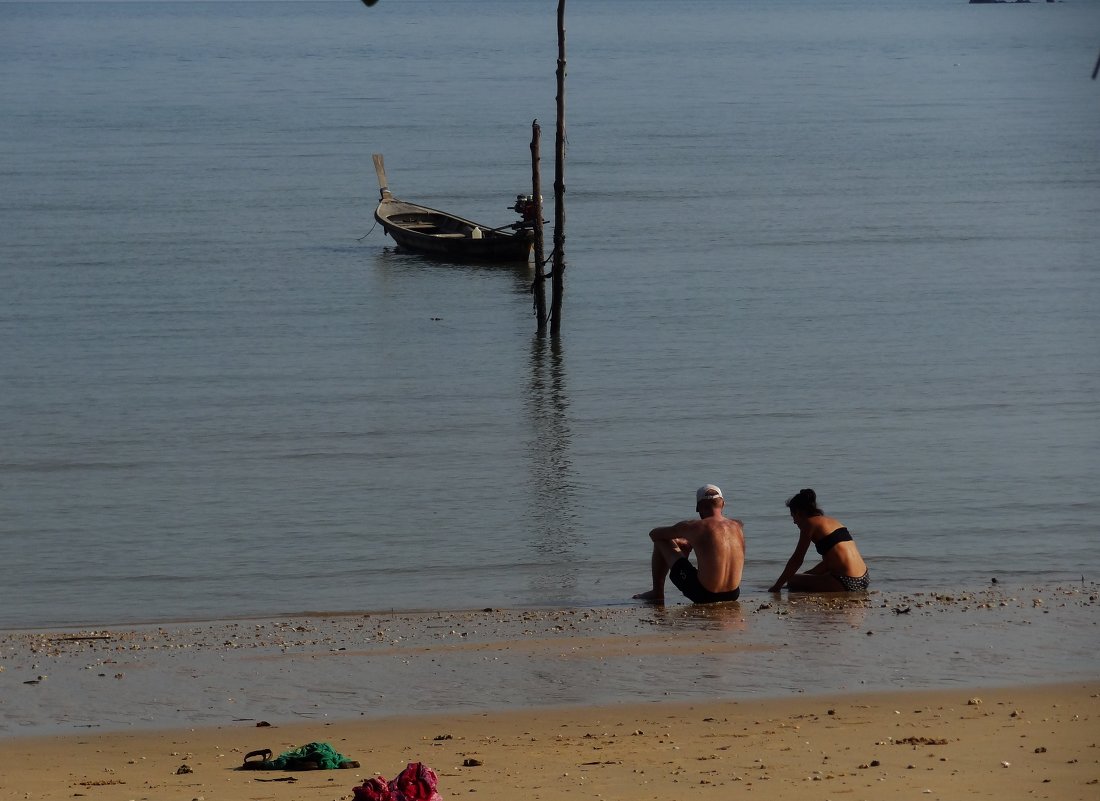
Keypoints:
pixel 323 754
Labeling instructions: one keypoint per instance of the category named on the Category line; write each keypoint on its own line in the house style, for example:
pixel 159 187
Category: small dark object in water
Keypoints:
pixel 369 3
pixel 993 580
pixel 901 610
pixel 263 723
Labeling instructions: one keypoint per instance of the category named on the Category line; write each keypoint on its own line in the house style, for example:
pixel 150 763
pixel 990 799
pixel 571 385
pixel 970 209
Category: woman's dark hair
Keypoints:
pixel 805 502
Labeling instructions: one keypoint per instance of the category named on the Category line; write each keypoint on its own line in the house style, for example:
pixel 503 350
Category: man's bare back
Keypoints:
pixel 719 546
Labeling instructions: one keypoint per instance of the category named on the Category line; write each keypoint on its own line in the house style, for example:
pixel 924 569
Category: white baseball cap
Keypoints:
pixel 708 492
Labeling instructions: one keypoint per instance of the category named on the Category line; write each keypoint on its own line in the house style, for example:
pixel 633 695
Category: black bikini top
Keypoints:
pixel 825 544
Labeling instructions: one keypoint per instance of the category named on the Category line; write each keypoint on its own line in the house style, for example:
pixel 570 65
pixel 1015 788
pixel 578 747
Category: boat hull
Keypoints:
pixel 437 233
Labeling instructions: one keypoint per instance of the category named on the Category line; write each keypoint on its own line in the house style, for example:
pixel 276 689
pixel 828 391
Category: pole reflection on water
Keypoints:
pixel 552 509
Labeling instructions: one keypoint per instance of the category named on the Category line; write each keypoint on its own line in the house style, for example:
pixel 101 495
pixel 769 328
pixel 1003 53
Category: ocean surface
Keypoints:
pixel 850 245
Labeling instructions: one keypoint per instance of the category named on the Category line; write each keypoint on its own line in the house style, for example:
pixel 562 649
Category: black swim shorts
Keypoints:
pixel 686 578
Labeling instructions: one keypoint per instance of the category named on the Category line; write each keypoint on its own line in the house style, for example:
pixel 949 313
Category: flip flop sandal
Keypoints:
pixel 263 763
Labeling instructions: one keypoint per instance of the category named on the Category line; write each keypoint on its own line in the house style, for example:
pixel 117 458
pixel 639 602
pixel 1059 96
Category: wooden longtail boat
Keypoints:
pixel 441 234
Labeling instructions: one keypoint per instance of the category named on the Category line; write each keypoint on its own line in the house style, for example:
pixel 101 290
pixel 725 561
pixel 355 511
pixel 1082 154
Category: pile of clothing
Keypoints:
pixel 311 756
pixel 417 782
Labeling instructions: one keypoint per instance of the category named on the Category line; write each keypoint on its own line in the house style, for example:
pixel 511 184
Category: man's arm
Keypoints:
pixel 677 535
pixel 673 542
pixel 677 531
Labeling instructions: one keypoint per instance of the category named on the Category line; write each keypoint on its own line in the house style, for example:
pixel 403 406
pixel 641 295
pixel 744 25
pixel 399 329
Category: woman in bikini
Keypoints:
pixel 842 569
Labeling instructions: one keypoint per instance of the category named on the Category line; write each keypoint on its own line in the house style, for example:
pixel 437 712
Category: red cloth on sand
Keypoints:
pixel 417 782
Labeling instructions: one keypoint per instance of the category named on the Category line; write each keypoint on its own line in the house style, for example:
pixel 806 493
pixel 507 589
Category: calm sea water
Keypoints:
pixel 847 245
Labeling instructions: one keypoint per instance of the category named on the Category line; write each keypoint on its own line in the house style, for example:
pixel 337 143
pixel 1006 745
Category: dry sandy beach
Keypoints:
pixel 986 694
pixel 1007 743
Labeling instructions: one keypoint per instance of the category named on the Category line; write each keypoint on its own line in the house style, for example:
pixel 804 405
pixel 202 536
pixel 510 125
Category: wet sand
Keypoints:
pixel 317 667
pixel 624 702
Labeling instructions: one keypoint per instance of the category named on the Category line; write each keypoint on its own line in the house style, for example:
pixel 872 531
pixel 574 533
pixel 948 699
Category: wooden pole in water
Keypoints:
pixel 558 270
pixel 559 184
pixel 539 286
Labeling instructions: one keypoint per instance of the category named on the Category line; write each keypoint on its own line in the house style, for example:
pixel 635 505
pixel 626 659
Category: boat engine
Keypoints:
pixel 526 208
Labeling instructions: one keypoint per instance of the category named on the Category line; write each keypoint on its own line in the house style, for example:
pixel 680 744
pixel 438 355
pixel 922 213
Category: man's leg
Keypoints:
pixel 665 554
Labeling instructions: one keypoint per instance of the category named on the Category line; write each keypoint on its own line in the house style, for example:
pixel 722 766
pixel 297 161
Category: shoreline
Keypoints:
pixel 1010 742
pixel 373 666
pixel 750 595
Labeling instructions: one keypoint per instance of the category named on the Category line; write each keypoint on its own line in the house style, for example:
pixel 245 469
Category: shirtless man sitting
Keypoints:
pixel 719 545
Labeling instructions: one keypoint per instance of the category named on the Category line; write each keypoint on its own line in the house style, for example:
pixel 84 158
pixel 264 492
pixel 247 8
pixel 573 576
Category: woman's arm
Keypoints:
pixel 795 562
